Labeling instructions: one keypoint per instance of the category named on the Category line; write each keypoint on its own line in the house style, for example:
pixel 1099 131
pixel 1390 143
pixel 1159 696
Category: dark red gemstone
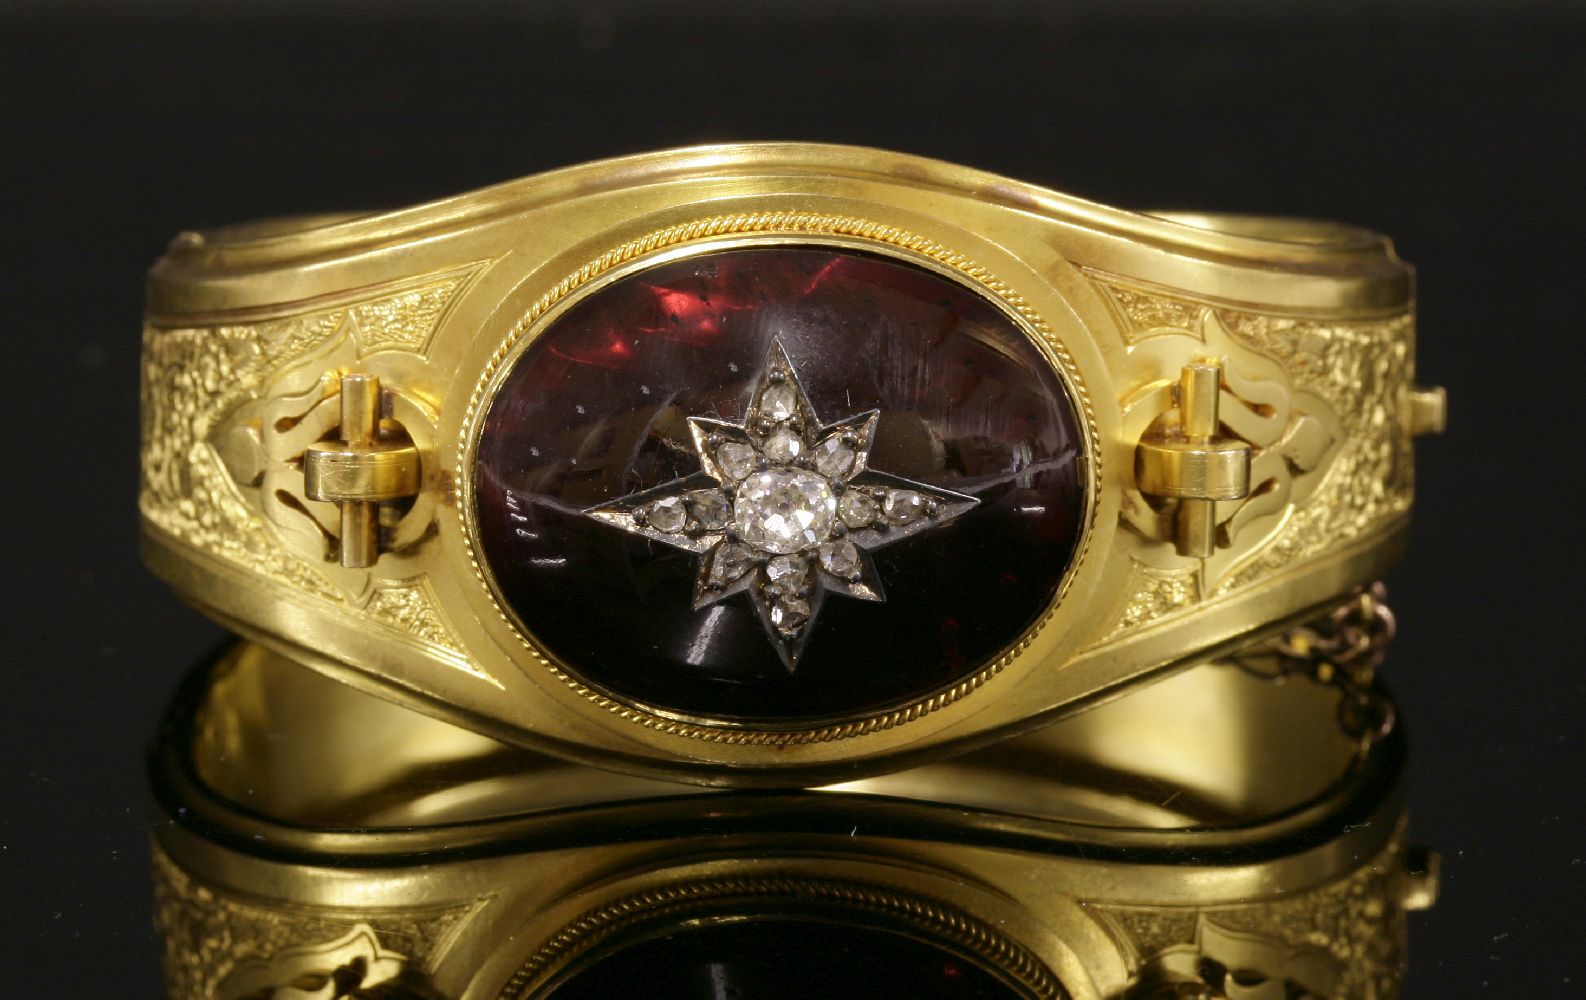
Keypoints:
pixel 596 409
pixel 782 959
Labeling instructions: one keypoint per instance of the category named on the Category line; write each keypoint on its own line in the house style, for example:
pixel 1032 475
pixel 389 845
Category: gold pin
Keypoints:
pixel 361 471
pixel 1193 464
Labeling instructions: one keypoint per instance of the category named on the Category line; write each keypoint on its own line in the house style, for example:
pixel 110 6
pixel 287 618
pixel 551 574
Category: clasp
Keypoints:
pixel 367 467
pixel 1193 463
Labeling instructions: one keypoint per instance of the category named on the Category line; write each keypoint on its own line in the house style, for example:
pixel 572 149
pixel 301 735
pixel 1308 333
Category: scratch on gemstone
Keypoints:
pixel 1052 464
pixel 707 632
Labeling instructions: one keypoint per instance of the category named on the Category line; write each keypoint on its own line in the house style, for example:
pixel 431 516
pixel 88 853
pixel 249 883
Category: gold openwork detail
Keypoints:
pixel 793 225
pixel 1361 370
pixel 1339 942
pixel 221 947
pixel 1321 403
pixel 355 966
pixel 666 906
pixel 230 409
pixel 1224 964
pixel 271 440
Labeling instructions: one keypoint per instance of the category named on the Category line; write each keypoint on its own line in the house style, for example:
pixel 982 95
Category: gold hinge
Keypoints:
pixel 361 471
pixel 1193 464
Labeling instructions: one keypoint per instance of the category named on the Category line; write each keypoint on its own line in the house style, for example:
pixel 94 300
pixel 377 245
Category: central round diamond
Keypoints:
pixel 784 510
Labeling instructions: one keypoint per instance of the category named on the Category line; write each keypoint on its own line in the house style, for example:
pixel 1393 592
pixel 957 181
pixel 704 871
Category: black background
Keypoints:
pixel 1456 128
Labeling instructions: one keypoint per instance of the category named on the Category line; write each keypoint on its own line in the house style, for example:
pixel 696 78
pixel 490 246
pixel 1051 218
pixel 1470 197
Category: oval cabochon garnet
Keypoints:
pixel 779 485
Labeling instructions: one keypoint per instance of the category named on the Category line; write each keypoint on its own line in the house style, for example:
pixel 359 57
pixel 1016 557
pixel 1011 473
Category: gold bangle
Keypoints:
pixel 772 463
pixel 1216 835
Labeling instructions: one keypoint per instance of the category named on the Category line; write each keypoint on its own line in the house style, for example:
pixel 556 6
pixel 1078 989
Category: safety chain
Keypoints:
pixel 1342 650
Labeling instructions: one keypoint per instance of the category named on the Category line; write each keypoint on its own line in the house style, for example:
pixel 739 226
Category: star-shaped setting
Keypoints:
pixel 785 508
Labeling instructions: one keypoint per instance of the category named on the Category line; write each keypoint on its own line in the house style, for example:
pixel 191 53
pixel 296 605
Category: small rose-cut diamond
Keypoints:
pixel 833 458
pixel 857 509
pixel 840 559
pixel 730 562
pixel 779 401
pixel 669 515
pixel 903 507
pixel 711 509
pixel 789 614
pixel 737 459
pixel 787 573
pixel 783 446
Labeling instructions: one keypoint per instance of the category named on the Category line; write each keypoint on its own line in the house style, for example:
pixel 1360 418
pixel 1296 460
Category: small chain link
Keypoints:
pixel 1342 649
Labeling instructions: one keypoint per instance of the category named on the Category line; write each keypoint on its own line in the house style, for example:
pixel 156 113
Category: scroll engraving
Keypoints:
pixel 228 411
pixel 221 947
pixel 1320 404
pixel 1223 964
pixel 1339 942
pixel 353 967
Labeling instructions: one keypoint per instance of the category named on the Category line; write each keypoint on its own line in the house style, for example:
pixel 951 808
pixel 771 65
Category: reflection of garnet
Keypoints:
pixel 783 960
pixel 597 408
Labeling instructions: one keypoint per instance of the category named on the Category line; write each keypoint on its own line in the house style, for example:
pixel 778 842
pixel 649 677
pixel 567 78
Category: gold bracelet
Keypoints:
pixel 772 463
pixel 1215 835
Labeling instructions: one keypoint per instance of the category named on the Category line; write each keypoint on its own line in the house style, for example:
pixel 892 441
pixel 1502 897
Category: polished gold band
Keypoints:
pixel 1216 821
pixel 313 392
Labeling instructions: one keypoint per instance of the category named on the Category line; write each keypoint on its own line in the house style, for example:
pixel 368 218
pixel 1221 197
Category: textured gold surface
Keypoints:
pixel 1355 922
pixel 1155 593
pixel 1363 371
pixel 1330 463
pixel 212 467
pixel 210 934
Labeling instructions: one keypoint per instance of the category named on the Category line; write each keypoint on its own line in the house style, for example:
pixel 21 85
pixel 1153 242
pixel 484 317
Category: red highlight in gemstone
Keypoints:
pixel 597 408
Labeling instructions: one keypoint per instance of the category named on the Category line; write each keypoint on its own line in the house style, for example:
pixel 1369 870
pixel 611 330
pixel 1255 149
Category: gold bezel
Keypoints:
pixel 682 903
pixel 716 234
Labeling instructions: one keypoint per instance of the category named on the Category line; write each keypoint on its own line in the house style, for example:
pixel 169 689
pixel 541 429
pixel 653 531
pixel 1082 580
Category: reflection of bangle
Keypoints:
pixel 766 464
pixel 1216 829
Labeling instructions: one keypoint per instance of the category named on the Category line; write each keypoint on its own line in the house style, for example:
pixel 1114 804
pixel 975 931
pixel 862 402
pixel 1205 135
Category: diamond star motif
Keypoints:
pixel 785 508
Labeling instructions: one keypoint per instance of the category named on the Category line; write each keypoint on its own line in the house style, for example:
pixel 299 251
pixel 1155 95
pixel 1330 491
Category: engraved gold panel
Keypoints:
pixel 1321 405
pixel 229 411
pixel 1343 940
pixel 222 946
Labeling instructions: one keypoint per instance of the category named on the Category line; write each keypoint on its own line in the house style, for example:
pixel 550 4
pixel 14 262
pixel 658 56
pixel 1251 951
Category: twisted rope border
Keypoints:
pixel 934 918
